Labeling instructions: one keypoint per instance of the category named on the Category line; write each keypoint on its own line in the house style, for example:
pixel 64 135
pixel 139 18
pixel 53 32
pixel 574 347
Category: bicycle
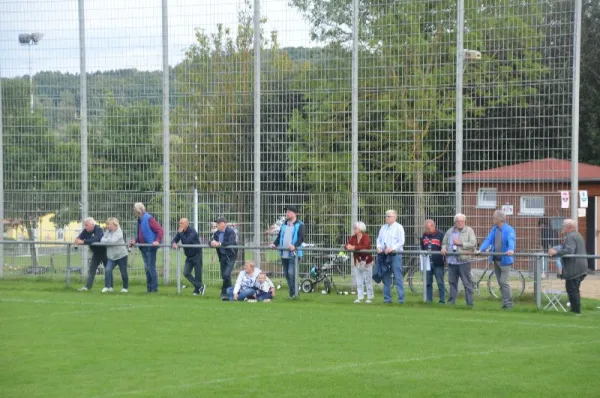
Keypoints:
pixel 516 281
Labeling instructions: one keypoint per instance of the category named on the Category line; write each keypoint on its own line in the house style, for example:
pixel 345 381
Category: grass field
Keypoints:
pixel 56 342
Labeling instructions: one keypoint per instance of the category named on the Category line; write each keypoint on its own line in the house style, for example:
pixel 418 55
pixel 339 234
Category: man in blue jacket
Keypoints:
pixel 222 238
pixel 432 241
pixel 193 255
pixel 501 239
pixel 289 241
pixel 92 233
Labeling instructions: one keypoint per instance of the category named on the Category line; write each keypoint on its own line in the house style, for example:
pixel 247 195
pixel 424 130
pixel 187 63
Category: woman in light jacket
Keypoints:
pixel 117 255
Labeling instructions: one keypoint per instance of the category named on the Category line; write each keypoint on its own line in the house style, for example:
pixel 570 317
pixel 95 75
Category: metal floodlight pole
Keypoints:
pixel 575 113
pixel 166 138
pixel 83 128
pixel 460 29
pixel 257 104
pixel 29 39
pixel 354 160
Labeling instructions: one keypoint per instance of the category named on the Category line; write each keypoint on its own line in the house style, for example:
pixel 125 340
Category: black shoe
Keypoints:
pixel 196 292
pixel 201 290
pixel 224 298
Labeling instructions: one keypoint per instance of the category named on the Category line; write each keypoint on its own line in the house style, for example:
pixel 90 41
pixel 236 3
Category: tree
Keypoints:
pixel 407 88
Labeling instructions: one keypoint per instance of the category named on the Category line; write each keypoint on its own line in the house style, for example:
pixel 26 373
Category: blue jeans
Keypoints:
pixel 149 256
pixel 289 271
pixel 439 278
pixel 396 261
pixel 108 274
pixel 244 293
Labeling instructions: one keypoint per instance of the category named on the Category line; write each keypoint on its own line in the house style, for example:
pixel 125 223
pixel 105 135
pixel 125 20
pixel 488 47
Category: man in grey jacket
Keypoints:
pixel 458 242
pixel 574 269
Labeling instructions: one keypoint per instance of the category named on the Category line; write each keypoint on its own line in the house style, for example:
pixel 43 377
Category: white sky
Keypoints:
pixel 125 33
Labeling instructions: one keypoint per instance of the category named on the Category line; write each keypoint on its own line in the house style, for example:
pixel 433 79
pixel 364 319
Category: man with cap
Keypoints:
pixel 193 255
pixel 222 238
pixel 289 240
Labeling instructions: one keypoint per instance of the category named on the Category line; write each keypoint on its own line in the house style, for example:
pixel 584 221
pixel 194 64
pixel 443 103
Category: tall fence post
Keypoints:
pixel 257 104
pixel 297 275
pixel 460 30
pixel 83 129
pixel 424 261
pixel 354 188
pixel 575 113
pixel 166 141
pixel 178 271
pixel 538 281
pixel 68 271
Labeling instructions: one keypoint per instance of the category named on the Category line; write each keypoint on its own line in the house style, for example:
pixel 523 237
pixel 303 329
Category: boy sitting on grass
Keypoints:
pixel 265 288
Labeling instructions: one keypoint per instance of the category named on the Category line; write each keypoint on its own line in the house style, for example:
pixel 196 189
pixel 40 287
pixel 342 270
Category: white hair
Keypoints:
pixel 500 215
pixel 89 219
pixel 429 220
pixel 391 213
pixel 360 225
pixel 569 222
pixel 460 215
pixel 139 208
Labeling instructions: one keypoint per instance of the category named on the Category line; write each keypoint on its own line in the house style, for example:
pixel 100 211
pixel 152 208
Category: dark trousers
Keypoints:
pixel 94 263
pixel 227 265
pixel 110 266
pixel 464 272
pixel 572 287
pixel 193 263
pixel 262 296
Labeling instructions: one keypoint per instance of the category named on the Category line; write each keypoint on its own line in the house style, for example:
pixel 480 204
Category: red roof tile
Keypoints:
pixel 554 170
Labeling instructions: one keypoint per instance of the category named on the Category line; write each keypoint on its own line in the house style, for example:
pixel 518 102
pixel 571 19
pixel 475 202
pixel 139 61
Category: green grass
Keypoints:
pixel 56 342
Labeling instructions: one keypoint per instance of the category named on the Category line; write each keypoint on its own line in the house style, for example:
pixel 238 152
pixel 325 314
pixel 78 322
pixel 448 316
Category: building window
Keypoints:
pixel 487 198
pixel 532 205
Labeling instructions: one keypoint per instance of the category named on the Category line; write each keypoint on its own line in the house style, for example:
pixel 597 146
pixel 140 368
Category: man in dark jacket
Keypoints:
pixel 574 269
pixel 92 233
pixel 432 240
pixel 222 238
pixel 193 255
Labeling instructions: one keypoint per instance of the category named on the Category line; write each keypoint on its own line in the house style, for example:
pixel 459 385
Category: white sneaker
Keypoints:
pixel 83 289
pixel 368 301
pixel 251 300
pixel 107 289
pixel 124 290
pixel 267 300
pixel 358 301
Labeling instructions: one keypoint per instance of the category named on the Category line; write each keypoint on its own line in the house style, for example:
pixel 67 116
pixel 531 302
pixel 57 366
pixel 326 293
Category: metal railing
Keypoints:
pixel 415 262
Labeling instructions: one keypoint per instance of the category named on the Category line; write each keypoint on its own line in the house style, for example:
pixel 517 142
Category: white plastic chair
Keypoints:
pixel 554 297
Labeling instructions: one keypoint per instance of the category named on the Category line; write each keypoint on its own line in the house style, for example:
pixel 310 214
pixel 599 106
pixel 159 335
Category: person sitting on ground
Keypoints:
pixel 265 288
pixel 244 288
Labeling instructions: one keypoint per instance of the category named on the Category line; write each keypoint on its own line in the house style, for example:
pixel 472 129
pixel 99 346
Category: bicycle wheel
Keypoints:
pixel 415 280
pixel 516 280
pixel 307 286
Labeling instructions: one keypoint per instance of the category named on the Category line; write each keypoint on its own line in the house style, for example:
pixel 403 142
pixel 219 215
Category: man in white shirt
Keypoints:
pixel 390 243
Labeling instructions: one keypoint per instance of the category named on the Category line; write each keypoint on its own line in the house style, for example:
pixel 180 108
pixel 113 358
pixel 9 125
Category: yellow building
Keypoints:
pixel 47 230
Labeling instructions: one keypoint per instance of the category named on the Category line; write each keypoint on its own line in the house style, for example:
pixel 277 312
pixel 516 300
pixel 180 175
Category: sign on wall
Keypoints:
pixel 583 199
pixel 508 210
pixel 564 199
